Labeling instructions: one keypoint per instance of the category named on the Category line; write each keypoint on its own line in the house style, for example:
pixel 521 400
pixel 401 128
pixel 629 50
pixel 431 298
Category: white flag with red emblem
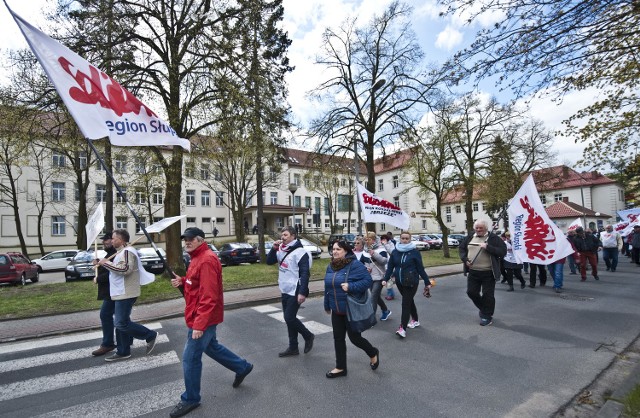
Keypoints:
pixel 100 106
pixel 573 225
pixel 534 238
pixel 630 215
pixel 376 209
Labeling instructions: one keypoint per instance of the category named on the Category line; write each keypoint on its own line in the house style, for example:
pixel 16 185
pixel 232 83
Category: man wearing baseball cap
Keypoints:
pixel 204 310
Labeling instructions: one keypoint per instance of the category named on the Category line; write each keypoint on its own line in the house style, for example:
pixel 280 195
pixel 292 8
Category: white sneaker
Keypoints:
pixel 413 324
pixel 401 332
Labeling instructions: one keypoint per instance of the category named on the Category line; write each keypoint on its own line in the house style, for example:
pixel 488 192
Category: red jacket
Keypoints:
pixel 203 290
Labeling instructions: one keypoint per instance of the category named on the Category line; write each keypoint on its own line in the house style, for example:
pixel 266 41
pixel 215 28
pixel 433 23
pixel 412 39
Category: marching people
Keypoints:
pixel 379 259
pixel 510 263
pixel 572 258
pixel 389 247
pixel 107 309
pixel 541 272
pixel 344 276
pixel 612 243
pixel 405 264
pixel 126 274
pixel 635 245
pixel 587 245
pixel 361 254
pixel 293 279
pixel 481 252
pixel 204 310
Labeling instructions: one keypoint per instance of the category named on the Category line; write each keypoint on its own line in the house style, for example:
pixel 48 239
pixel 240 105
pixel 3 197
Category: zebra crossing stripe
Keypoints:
pixel 127 405
pixel 29 362
pixel 66 339
pixel 317 328
pixel 88 375
pixel 265 308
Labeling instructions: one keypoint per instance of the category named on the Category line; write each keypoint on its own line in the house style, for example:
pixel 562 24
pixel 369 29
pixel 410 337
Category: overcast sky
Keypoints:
pixel 305 20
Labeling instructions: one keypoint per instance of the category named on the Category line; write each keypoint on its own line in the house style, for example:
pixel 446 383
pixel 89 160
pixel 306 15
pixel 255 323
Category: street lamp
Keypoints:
pixel 293 188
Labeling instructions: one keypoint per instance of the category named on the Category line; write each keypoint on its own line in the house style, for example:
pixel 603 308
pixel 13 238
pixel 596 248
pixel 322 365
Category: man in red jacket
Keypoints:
pixel 204 310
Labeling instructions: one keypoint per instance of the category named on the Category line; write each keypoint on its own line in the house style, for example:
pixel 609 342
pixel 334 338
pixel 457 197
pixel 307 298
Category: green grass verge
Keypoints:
pixel 632 403
pixel 58 298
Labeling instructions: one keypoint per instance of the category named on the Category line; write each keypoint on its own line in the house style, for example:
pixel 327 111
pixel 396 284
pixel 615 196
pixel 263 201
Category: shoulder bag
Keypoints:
pixel 360 313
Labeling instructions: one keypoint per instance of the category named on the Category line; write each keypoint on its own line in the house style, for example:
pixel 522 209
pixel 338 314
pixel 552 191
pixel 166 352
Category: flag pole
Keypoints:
pixel 133 212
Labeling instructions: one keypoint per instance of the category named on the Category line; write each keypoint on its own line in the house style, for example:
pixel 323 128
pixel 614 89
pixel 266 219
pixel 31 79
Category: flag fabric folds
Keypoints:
pixel 535 239
pixel 163 224
pixel 94 225
pixel 100 106
pixel 573 225
pixel 376 209
pixel 630 215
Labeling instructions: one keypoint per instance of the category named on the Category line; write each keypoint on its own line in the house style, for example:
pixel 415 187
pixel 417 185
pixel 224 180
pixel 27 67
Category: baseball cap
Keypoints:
pixel 192 232
pixel 636 226
pixel 107 236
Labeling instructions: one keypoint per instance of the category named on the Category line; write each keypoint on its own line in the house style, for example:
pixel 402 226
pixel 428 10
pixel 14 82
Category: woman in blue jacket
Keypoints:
pixel 345 275
pixel 405 264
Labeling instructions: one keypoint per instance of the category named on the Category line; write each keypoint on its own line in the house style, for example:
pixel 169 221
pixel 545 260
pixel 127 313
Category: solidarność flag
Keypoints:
pixel 100 106
pixel 376 209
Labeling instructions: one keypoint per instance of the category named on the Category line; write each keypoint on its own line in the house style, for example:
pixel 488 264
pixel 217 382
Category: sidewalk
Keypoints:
pixel 20 329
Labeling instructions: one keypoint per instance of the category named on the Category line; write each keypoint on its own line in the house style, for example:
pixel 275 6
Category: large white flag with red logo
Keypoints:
pixel 573 225
pixel 630 215
pixel 535 239
pixel 376 209
pixel 100 106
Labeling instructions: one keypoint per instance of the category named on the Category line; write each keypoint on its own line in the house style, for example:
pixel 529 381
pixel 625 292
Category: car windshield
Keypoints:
pixel 88 255
pixel 236 245
pixel 150 252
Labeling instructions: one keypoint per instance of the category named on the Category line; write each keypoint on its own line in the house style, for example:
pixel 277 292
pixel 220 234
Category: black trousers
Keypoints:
pixel 514 272
pixel 376 296
pixel 542 273
pixel 481 286
pixel 340 331
pixel 408 304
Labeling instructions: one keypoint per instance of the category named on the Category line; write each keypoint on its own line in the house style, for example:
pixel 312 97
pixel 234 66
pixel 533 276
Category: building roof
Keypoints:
pixel 565 209
pixel 392 161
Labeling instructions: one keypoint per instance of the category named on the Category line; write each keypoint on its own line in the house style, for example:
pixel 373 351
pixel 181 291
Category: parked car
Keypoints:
pixel 186 258
pixel 458 237
pixel 312 248
pixel 151 261
pixel 81 266
pixel 56 260
pixel 16 268
pixel 453 243
pixel 349 238
pixel 433 241
pixel 267 247
pixel 420 244
pixel 234 253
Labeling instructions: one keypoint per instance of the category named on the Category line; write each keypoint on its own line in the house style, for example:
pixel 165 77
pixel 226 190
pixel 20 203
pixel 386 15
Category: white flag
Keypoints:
pixel 163 224
pixel 100 106
pixel 535 239
pixel 573 225
pixel 376 209
pixel 630 215
pixel 94 225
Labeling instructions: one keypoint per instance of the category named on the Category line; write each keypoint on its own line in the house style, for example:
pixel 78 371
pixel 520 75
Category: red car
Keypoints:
pixel 17 268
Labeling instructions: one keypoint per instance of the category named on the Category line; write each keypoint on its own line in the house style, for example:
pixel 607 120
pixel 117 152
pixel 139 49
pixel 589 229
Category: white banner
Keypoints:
pixel 94 225
pixel 573 225
pixel 100 106
pixel 163 224
pixel 535 239
pixel 629 215
pixel 376 209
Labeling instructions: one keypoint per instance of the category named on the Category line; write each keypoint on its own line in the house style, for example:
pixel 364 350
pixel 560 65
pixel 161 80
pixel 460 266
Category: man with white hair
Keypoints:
pixel 481 253
pixel 611 246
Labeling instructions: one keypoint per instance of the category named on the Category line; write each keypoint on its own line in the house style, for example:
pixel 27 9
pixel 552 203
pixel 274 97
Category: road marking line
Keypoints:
pixel 88 375
pixel 66 339
pixel 279 316
pixel 30 362
pixel 265 308
pixel 317 328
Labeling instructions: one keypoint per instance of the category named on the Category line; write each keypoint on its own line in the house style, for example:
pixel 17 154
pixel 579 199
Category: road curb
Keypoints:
pixel 613 407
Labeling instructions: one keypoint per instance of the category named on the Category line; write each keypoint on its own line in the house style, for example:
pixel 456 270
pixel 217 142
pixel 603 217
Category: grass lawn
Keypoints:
pixel 58 298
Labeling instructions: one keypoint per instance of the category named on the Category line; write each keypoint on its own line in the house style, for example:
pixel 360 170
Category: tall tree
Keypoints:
pixel 375 84
pixel 560 46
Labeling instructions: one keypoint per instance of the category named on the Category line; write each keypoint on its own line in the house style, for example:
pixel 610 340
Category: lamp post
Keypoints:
pixel 293 188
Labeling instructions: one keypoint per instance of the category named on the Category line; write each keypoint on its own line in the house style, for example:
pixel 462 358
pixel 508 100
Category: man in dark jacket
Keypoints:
pixel 108 306
pixel 481 253
pixel 587 245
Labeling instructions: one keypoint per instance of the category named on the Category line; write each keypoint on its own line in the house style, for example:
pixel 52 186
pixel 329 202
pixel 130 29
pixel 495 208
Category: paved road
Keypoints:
pixel 542 350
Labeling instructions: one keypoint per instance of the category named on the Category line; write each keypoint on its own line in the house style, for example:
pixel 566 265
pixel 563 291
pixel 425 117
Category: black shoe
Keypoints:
pixel 503 281
pixel 522 286
pixel 308 344
pixel 183 409
pixel 240 377
pixel 377 363
pixel 608 268
pixel 289 352
pixel 596 277
pixel 331 375
pixel 510 289
pixel 532 286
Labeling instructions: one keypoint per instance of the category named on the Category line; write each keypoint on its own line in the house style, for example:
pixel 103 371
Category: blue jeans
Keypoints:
pixel 610 257
pixel 192 361
pixel 556 272
pixel 106 319
pixel 290 308
pixel 572 263
pixel 126 329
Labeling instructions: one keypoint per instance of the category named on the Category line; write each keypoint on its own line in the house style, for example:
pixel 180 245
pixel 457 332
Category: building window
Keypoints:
pixel 273 199
pixel 143 224
pixel 140 196
pixel 344 203
pixel 139 165
pixel 248 198
pixel 423 204
pixel 307 202
pixel 327 223
pixel 297 180
pixel 458 209
pixel 205 198
pixel 158 197
pixel 76 192
pixel 101 193
pixel 206 221
pixel 81 158
pixel 621 195
pixel 122 222
pixel 191 220
pixel 76 221
pixel 297 201
pixel 279 222
pixel 189 170
pixel 204 172
pixel 475 207
pixel 99 166
pixel 58 159
pixel 219 199
pixel 57 225
pixel 396 201
pixel 557 197
pixel 380 185
pixel 121 198
pixel 543 199
pixel 191 198
pixel 343 182
pixel 220 220
pixel 383 227
pixel 448 218
pixel 396 182
pixel 157 219
pixel 120 164
pixel 57 191
pixel 447 210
